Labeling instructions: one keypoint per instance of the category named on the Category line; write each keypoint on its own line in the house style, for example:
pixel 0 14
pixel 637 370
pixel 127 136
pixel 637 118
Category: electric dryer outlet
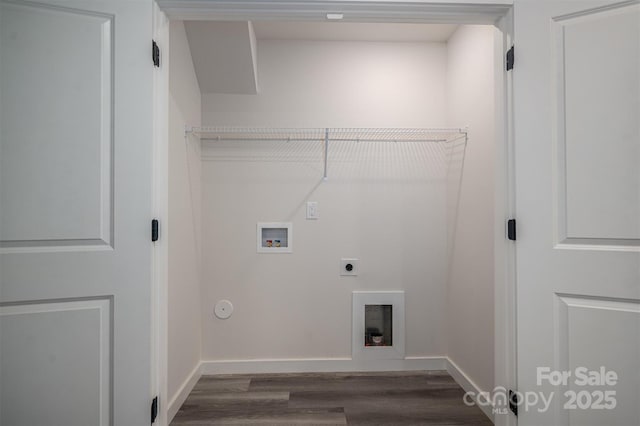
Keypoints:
pixel 349 266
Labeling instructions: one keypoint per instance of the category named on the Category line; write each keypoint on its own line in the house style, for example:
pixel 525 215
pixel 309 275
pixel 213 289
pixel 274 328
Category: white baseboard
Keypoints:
pixel 320 365
pixel 468 385
pixel 181 395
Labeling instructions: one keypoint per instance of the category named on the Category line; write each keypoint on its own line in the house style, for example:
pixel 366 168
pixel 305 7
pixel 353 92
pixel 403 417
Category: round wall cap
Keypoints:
pixel 223 309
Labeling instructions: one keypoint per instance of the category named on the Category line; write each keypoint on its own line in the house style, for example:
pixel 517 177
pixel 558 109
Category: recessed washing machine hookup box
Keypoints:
pixel 274 237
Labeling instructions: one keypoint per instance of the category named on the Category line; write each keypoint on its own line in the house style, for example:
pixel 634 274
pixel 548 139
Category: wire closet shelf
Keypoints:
pixel 328 135
pixel 351 134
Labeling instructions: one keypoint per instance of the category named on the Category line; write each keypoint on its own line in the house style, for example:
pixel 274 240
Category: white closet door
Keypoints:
pixel 577 137
pixel 75 207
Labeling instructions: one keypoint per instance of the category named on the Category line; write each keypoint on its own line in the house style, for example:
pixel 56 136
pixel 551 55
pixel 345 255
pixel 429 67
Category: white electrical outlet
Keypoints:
pixel 349 266
pixel 312 210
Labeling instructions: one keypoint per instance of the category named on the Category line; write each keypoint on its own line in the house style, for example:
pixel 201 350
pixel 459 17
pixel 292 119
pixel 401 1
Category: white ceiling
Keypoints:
pixel 353 31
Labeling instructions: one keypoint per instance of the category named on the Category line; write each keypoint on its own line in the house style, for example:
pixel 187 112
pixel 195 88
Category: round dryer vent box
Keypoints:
pixel 223 309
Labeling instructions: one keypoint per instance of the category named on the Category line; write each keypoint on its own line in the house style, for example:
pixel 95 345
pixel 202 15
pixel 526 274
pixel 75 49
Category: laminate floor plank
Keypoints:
pixel 221 397
pixel 196 408
pixel 435 405
pixel 284 416
pixel 222 384
pixel 400 399
pixel 381 398
pixel 340 382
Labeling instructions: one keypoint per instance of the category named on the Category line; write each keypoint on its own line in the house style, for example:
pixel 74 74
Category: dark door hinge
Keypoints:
pixel 514 400
pixel 511 229
pixel 155 230
pixel 510 58
pixel 154 410
pixel 155 53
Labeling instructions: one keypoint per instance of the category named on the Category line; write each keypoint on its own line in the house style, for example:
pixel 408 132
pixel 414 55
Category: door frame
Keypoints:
pixel 160 208
pixel 498 13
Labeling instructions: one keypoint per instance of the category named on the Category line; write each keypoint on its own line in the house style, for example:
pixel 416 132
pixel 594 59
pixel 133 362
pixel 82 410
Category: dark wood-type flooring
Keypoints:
pixel 395 398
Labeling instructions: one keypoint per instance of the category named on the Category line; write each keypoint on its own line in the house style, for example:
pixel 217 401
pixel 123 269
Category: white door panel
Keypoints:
pixel 56 102
pixel 612 323
pixel 73 371
pixel 597 67
pixel 577 138
pixel 75 210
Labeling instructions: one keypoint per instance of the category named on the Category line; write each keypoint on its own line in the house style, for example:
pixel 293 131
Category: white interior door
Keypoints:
pixel 75 210
pixel 577 138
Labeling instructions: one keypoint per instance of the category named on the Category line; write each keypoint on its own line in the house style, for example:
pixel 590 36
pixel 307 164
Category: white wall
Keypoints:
pixel 470 309
pixel 340 84
pixel 183 230
pixel 384 204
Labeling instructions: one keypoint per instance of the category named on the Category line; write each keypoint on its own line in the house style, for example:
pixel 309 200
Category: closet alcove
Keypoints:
pixel 388 130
